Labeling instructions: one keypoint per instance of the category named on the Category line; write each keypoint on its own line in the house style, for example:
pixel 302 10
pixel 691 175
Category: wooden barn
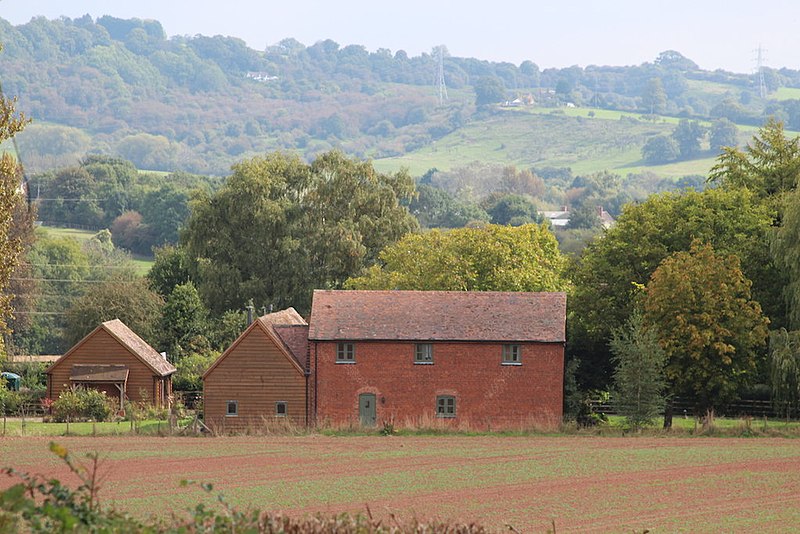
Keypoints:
pixel 112 358
pixel 261 377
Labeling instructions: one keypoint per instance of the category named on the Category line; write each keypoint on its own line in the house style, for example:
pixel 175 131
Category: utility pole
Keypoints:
pixel 440 74
pixel 760 59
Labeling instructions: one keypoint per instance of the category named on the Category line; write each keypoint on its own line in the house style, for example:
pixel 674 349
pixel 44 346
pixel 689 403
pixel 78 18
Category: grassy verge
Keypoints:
pixel 16 427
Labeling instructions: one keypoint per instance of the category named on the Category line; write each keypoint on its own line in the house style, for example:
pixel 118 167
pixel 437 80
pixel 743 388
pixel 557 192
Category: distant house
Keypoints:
pixel 560 218
pixel 481 359
pixel 112 358
pixel 262 375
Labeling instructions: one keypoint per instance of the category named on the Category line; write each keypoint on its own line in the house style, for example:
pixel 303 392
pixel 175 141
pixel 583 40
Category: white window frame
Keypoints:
pixel 511 354
pixel 423 354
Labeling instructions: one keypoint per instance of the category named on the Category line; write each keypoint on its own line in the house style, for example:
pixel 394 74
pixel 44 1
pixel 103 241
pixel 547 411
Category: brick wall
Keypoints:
pixel 488 394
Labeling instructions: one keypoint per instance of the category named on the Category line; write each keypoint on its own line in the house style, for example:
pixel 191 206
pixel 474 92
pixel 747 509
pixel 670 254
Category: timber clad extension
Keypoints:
pixel 471 359
pixel 112 358
pixel 260 377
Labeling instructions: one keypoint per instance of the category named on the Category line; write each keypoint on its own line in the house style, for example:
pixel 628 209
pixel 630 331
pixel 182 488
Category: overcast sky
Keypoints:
pixel 714 33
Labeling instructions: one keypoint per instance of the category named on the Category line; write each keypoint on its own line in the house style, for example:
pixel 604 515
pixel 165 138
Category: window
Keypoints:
pixel 346 353
pixel 280 409
pixel 445 406
pixel 423 353
pixel 512 355
pixel 232 409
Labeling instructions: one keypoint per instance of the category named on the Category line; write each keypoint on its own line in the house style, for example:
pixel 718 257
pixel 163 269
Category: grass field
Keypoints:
pixel 142 263
pixel 786 93
pixel 542 137
pixel 586 484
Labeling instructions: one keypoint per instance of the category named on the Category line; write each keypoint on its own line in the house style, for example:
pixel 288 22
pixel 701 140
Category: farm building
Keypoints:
pixel 261 376
pixel 112 358
pixel 482 359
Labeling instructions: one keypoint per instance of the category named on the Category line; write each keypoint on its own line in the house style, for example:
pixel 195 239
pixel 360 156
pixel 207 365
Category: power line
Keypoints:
pixel 76 281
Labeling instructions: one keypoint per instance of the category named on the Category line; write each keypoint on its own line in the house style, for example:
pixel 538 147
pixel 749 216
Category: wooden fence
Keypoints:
pixel 741 408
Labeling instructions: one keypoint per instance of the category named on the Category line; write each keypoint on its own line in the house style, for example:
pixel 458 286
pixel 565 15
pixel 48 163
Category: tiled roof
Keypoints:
pixel 139 347
pixel 282 323
pixel 437 316
pixel 295 337
pixel 287 316
pixel 273 324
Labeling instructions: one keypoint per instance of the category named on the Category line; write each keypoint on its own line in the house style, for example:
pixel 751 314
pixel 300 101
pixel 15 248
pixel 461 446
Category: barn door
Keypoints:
pixel 366 409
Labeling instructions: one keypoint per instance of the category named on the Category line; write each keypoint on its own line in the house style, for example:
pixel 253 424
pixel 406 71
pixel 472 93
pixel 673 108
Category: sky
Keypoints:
pixel 714 33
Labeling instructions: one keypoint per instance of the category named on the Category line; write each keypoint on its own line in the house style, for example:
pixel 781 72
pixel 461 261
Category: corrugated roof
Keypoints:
pixel 139 347
pixel 438 316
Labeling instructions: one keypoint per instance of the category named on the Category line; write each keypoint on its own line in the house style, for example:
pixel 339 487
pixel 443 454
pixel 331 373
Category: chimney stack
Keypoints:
pixel 250 311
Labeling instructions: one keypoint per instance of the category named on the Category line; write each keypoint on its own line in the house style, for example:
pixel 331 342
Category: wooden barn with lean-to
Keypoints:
pixel 261 378
pixel 112 358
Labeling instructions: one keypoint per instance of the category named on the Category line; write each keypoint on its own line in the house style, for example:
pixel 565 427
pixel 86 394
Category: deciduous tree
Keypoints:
pixel 711 329
pixel 491 258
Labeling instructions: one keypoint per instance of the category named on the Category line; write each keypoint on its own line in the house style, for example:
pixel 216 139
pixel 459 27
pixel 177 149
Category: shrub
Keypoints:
pixel 82 404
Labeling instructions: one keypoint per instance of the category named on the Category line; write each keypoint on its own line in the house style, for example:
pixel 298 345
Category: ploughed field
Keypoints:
pixel 530 483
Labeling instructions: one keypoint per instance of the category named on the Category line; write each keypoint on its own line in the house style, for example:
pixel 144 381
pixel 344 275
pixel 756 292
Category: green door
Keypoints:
pixel 366 409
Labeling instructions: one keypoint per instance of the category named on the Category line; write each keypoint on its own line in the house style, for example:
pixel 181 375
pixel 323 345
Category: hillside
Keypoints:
pixel 199 104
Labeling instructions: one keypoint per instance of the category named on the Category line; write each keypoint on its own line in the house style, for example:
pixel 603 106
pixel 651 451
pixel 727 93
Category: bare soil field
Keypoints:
pixel 586 484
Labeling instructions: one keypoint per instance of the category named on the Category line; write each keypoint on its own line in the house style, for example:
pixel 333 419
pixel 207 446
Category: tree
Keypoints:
pixel 700 305
pixel 784 352
pixel 279 228
pixel 491 258
pixel 10 246
pixel 769 165
pixel 654 99
pixel 130 301
pixel 688 135
pixel 511 209
pixel 723 133
pixel 435 208
pixel 660 149
pixel 639 380
pixel 183 327
pixel 611 268
pixel 489 90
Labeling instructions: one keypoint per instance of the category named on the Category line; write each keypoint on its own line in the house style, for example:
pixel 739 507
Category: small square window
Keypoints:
pixel 280 409
pixel 232 409
pixel 445 406
pixel 423 353
pixel 346 353
pixel 512 355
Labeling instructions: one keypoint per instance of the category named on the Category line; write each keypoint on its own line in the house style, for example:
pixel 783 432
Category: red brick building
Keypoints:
pixel 478 359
